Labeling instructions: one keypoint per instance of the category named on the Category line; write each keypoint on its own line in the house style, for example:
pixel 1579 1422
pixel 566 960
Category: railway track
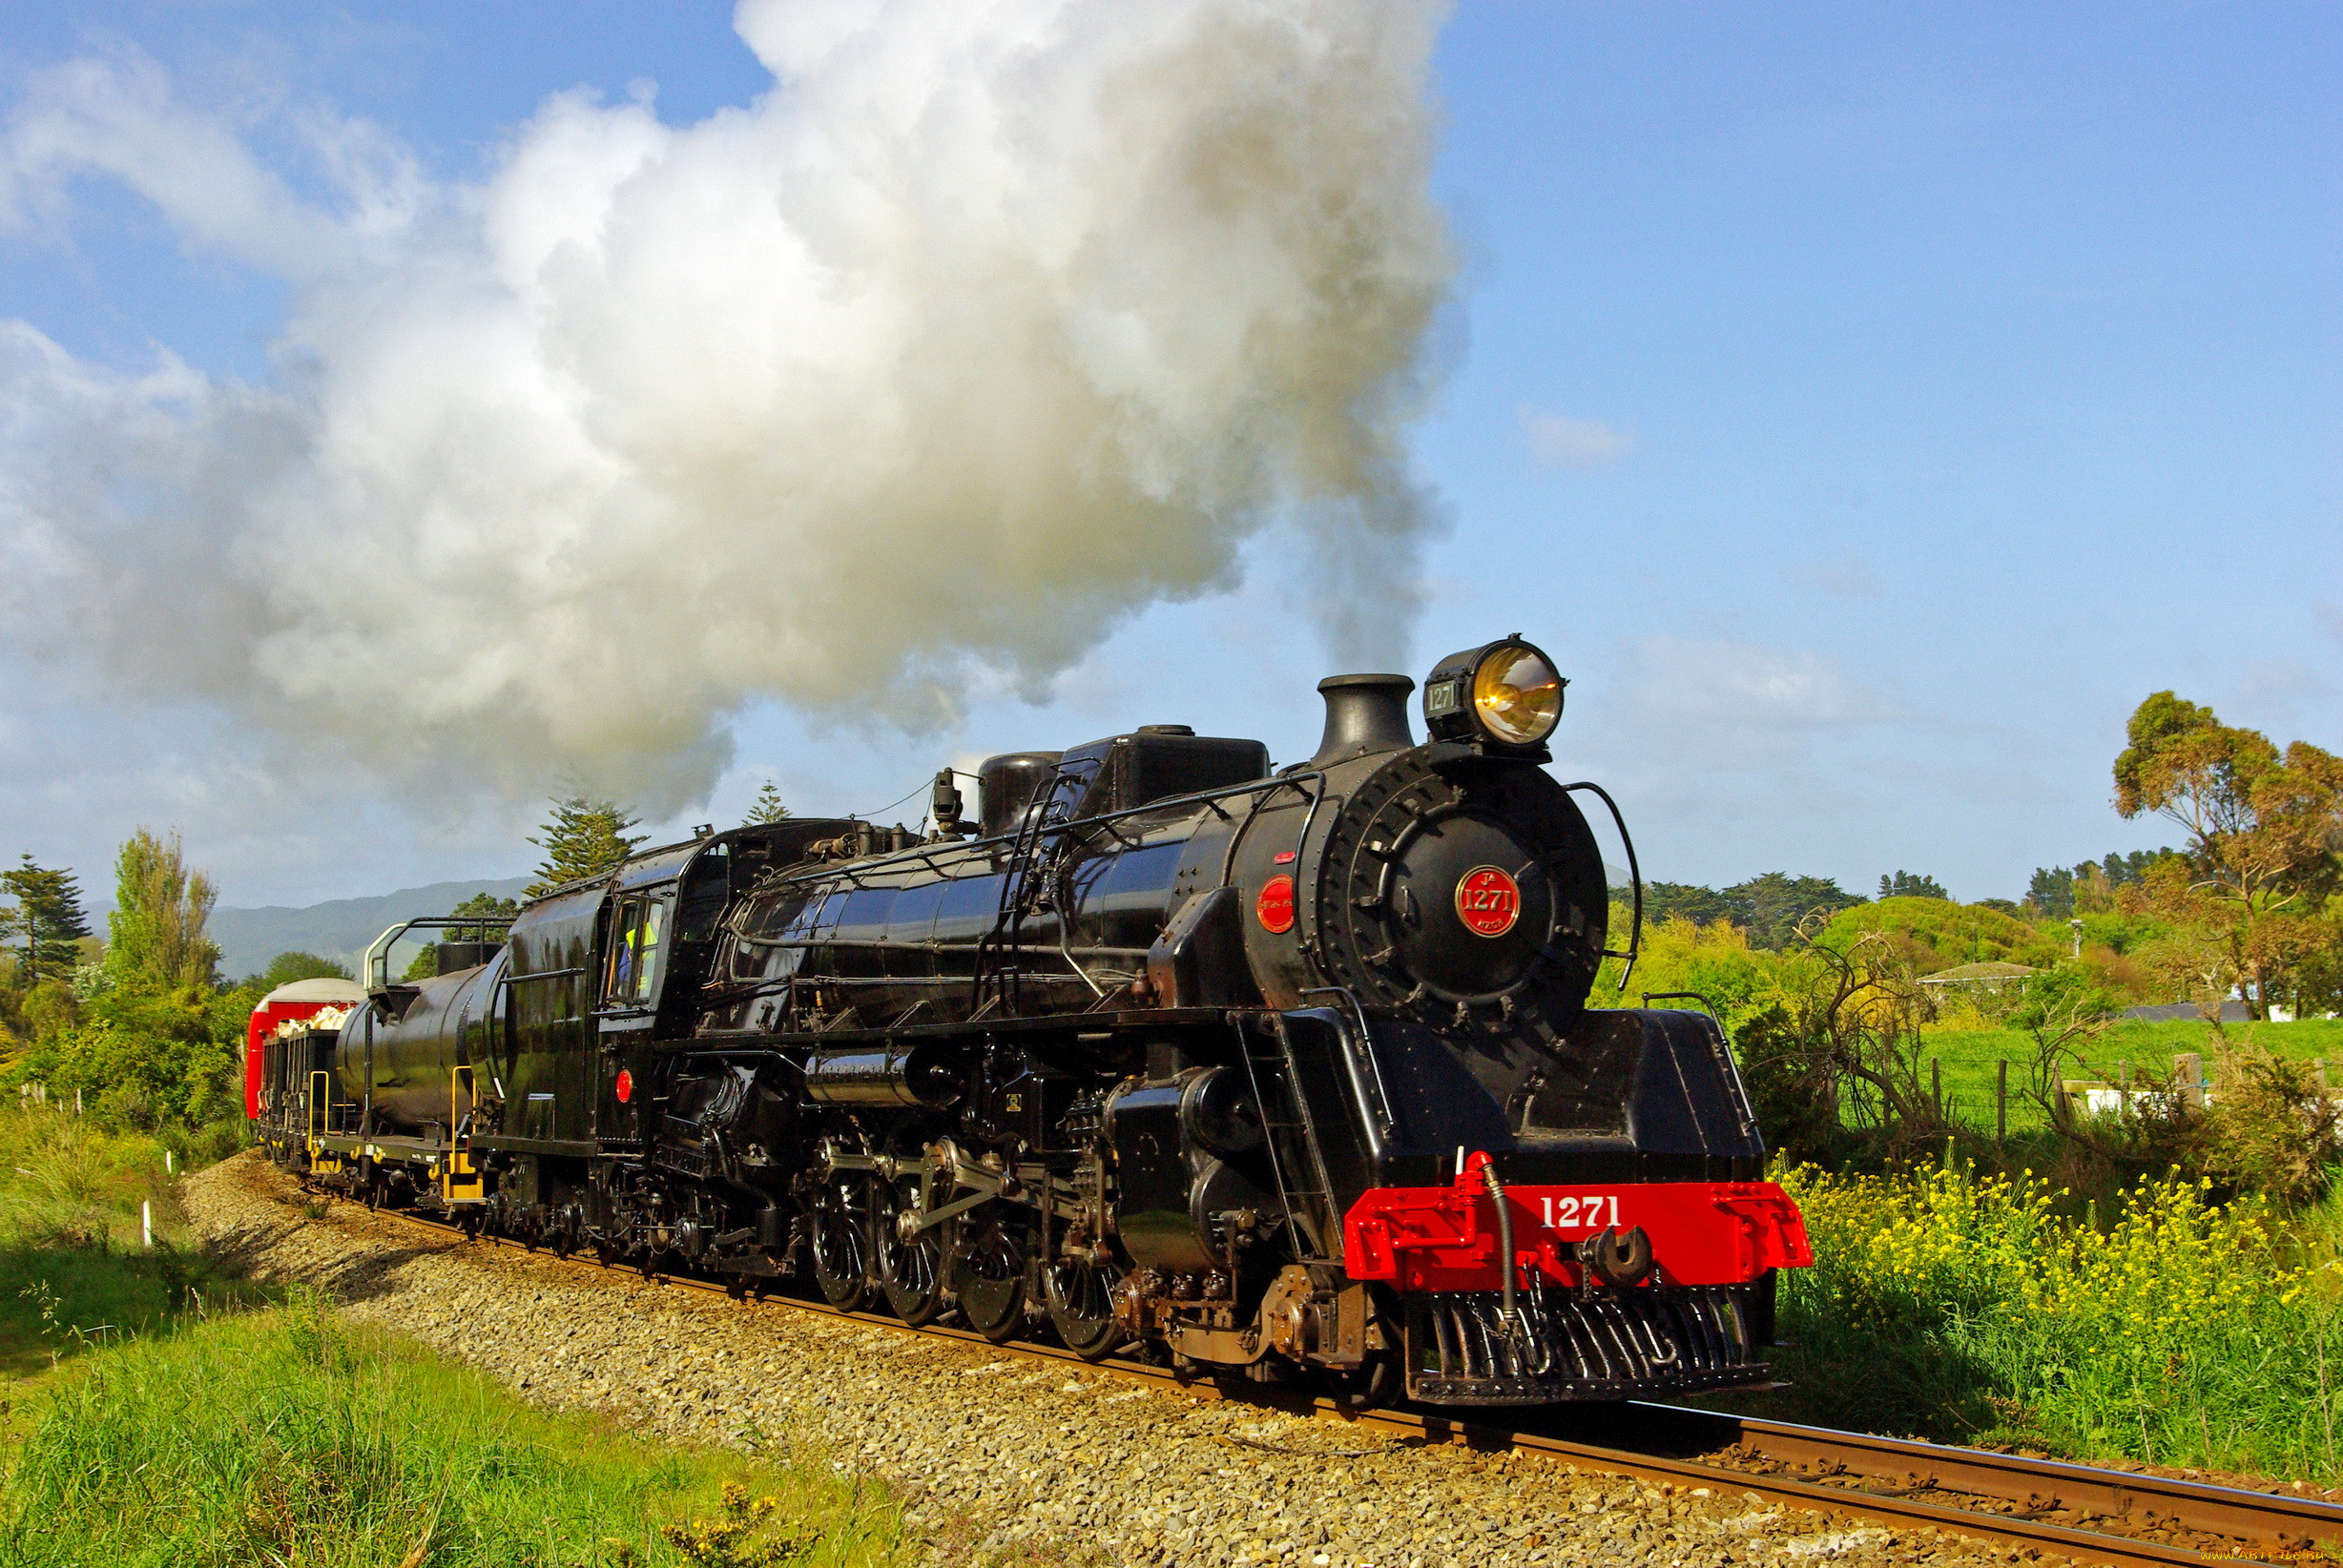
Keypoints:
pixel 2123 1518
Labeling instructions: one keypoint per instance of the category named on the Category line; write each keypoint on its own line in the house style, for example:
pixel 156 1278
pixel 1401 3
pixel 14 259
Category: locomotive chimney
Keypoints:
pixel 1364 713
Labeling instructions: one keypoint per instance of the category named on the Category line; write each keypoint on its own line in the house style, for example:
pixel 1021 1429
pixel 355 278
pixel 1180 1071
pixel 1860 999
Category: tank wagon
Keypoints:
pixel 1273 1074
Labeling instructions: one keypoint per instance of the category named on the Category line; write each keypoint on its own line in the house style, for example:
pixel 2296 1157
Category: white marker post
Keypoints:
pixel 146 1224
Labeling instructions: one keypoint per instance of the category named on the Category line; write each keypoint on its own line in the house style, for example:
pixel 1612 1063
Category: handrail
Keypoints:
pixel 826 868
pixel 1389 1124
pixel 377 955
pixel 1635 875
pixel 1650 997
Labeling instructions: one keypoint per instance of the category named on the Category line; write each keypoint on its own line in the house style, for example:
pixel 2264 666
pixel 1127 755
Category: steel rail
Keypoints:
pixel 1884 1476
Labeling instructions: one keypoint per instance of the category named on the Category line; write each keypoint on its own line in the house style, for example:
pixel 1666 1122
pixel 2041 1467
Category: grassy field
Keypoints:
pixel 1969 1058
pixel 283 1435
pixel 155 1409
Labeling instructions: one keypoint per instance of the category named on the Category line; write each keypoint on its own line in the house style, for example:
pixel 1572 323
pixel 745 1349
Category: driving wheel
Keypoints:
pixel 1080 1300
pixel 911 1270
pixel 988 1272
pixel 840 1231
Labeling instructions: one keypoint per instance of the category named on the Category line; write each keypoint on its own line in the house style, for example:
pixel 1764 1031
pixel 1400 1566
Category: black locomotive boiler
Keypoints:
pixel 1272 1074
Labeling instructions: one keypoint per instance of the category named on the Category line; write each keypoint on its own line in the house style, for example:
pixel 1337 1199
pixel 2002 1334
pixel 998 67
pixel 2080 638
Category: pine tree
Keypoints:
pixel 1905 884
pixel 768 807
pixel 584 837
pixel 47 919
pixel 160 910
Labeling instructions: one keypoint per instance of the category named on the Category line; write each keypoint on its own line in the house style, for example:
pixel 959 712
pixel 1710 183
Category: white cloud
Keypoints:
pixel 1558 442
pixel 1740 704
pixel 992 324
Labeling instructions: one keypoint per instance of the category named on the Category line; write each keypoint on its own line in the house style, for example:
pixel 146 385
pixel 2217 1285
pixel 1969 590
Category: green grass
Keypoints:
pixel 284 1436
pixel 156 1409
pixel 1969 1058
pixel 73 1270
pixel 59 1302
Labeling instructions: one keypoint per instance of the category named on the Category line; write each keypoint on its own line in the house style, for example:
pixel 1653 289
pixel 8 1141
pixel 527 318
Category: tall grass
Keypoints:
pixel 73 1270
pixel 2168 1329
pixel 66 1179
pixel 284 1436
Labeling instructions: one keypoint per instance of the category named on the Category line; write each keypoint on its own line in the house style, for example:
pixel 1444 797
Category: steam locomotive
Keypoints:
pixel 1275 1075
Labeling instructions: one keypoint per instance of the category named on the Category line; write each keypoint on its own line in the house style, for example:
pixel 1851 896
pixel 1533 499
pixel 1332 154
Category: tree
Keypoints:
pixel 1905 884
pixel 2058 893
pixel 287 967
pixel 1701 906
pixel 161 911
pixel 1772 905
pixel 488 905
pixel 2051 893
pixel 48 920
pixel 767 807
pixel 584 837
pixel 1767 907
pixel 2264 827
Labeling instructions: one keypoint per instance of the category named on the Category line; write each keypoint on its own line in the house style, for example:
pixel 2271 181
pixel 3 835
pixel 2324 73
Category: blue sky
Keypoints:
pixel 1867 404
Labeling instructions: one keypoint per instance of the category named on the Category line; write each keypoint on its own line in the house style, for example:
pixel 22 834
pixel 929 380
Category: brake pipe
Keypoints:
pixel 1510 1304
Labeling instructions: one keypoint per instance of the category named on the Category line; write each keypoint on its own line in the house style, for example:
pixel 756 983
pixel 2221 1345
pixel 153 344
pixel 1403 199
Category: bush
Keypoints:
pixel 144 1058
pixel 2268 1129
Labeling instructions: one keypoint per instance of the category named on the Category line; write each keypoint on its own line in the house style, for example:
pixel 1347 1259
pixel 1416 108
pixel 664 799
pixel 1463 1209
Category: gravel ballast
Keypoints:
pixel 1003 1456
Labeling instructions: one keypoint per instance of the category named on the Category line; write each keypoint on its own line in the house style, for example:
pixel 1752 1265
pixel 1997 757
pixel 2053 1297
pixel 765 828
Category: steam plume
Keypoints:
pixel 993 323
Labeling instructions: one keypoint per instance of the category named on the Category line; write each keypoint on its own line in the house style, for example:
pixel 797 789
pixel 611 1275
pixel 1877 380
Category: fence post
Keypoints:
pixel 146 1223
pixel 2001 1102
pixel 1936 1084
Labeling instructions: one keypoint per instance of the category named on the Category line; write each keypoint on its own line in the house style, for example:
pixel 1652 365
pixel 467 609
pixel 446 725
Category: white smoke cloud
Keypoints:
pixel 993 323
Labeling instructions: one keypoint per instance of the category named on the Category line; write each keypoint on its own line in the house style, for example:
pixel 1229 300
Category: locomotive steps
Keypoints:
pixel 1009 1457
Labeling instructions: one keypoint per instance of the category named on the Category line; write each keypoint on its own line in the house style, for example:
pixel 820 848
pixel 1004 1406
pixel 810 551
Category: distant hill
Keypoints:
pixel 339 929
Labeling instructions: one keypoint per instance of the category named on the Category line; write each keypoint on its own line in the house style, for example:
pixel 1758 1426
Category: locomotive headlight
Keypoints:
pixel 1506 691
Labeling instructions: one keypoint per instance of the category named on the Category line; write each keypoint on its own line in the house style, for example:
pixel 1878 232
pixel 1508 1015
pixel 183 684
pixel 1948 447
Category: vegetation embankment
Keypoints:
pixel 157 1409
pixel 2159 1327
pixel 76 1202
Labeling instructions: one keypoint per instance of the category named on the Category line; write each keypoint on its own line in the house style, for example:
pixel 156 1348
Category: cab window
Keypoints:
pixel 636 933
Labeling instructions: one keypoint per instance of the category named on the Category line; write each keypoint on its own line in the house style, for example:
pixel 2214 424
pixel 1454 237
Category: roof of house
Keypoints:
pixel 1993 969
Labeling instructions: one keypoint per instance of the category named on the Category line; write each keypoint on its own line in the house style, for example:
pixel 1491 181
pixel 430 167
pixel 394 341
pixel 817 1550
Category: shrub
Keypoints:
pixel 2268 1128
pixel 145 1058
